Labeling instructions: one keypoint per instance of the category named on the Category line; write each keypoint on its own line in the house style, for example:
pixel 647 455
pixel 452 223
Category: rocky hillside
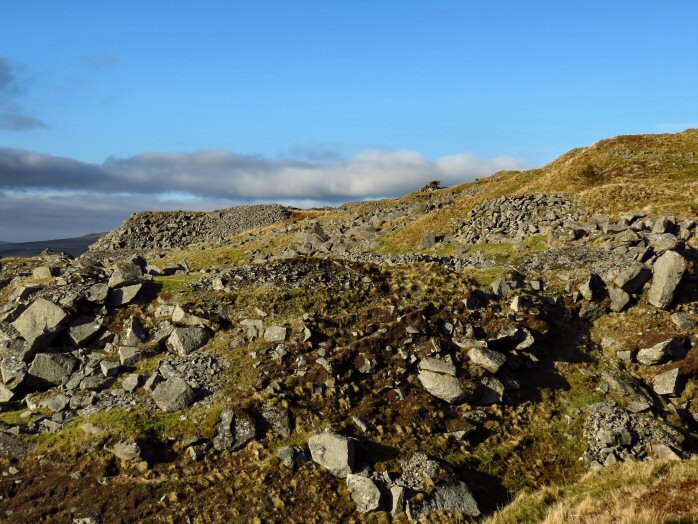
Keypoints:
pixel 510 350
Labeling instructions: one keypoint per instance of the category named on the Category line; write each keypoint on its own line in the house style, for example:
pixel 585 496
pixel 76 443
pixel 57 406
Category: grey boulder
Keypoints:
pixel 233 431
pixel 438 378
pixel 667 383
pixel 668 272
pixel 364 492
pixel 619 298
pixel 334 452
pixel 13 372
pixel 632 278
pixel 660 352
pixel 184 340
pixel 39 323
pixel 51 368
pixel 276 334
pixel 126 451
pixel 129 355
pixel 123 295
pixel 450 498
pixel 133 332
pixel 83 329
pixel 173 394
pixel 125 273
pixel 487 359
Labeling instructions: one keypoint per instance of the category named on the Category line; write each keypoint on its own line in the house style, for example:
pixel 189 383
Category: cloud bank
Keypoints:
pixel 44 196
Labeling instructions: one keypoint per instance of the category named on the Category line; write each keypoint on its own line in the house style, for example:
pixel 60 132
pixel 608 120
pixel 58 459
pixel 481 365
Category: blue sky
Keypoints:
pixel 508 84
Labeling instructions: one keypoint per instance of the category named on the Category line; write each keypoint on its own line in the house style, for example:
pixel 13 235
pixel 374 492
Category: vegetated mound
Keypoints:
pixel 178 229
pixel 654 173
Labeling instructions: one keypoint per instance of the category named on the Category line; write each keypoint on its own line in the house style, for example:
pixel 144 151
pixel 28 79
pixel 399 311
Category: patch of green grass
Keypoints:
pixel 119 424
pixel 15 417
pixel 170 285
pixel 232 254
pixel 486 276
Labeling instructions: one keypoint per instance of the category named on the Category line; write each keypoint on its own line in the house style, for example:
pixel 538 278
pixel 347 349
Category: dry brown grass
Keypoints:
pixel 641 492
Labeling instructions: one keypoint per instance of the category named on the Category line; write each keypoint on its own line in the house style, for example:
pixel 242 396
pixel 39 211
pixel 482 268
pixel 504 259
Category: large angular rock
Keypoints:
pixel 487 359
pixel 428 240
pixel 127 451
pixel 334 452
pixel 39 323
pixel 660 243
pixel 123 295
pixel 6 394
pixel 667 383
pixel 275 334
pixel 44 272
pixel 278 420
pixel 129 355
pixel 632 278
pixel 51 368
pixel 397 502
pixel 83 329
pixel 173 394
pixel 132 382
pixel 96 383
pixel 98 293
pixel 109 368
pixel 185 340
pixel 450 498
pixel 57 403
pixel 182 318
pixel 13 372
pixel 125 273
pixel 661 352
pixel 364 492
pixel 233 431
pixel 634 393
pixel 438 378
pixel 682 321
pixel 619 299
pixel 668 272
pixel 437 366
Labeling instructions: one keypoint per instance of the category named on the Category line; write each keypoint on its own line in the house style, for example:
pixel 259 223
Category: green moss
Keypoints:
pixel 167 286
pixel 15 417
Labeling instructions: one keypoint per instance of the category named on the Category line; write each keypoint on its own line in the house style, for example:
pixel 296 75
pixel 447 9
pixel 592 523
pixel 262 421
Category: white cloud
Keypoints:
pixel 73 197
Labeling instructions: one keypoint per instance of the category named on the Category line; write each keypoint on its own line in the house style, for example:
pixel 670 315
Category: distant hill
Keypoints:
pixel 74 246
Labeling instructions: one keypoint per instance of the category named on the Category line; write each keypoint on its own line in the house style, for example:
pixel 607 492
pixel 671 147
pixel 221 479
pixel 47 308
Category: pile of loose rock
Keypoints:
pixel 179 229
pixel 615 434
pixel 625 259
pixel 62 348
pixel 406 493
pixel 515 218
